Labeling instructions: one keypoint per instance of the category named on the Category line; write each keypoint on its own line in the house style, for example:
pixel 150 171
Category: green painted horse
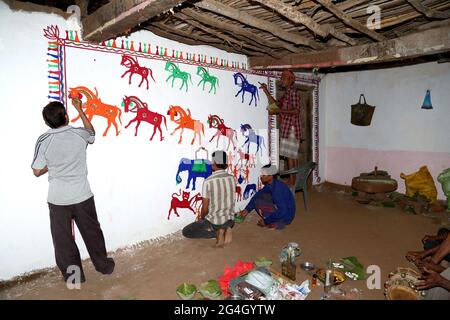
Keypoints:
pixel 206 77
pixel 177 73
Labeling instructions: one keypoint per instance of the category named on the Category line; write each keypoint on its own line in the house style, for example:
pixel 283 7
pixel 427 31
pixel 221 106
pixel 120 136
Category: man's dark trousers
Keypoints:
pixel 66 250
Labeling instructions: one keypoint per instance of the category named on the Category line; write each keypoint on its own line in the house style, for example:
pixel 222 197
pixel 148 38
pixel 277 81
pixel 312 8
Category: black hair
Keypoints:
pixel 220 159
pixel 54 114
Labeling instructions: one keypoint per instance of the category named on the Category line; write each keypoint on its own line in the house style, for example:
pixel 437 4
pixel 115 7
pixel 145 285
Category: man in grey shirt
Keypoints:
pixel 61 152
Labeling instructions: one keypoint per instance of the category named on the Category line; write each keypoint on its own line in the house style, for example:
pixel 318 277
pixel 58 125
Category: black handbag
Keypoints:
pixel 362 112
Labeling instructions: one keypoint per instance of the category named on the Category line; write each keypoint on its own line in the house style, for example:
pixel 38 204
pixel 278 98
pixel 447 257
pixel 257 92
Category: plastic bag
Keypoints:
pixel 420 182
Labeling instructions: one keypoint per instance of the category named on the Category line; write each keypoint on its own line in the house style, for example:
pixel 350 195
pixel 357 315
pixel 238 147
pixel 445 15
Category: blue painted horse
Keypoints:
pixel 249 191
pixel 197 168
pixel 252 137
pixel 240 81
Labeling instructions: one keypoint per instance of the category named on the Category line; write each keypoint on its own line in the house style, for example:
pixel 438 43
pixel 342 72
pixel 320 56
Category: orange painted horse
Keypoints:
pixel 185 121
pixel 95 107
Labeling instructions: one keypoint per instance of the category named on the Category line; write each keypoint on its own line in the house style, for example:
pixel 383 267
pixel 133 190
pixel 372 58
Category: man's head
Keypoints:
pixel 55 115
pixel 219 160
pixel 267 174
pixel 287 78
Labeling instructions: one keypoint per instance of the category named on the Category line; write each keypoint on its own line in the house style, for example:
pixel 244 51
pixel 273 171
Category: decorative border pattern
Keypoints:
pixel 57 45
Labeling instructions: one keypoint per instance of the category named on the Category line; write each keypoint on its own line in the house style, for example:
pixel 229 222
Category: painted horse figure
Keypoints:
pixel 206 77
pixel 216 122
pixel 95 107
pixel 249 191
pixel 240 81
pixel 252 137
pixel 133 67
pixel 185 121
pixel 248 158
pixel 143 114
pixel 196 168
pixel 177 73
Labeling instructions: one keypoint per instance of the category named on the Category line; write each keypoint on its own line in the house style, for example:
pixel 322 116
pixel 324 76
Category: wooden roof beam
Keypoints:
pixel 192 36
pixel 429 13
pixel 198 41
pixel 120 16
pixel 238 30
pixel 245 18
pixel 349 21
pixel 219 35
pixel 296 16
pixel 431 41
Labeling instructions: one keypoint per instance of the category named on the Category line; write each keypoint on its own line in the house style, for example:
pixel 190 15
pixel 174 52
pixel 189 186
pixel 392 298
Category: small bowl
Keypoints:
pixel 307 266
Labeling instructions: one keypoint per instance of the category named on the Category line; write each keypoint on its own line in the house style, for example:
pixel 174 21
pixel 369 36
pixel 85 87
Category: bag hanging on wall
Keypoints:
pixel 362 113
pixel 199 165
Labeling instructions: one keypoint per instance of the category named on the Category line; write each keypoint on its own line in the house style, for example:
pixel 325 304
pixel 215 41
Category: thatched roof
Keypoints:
pixel 279 32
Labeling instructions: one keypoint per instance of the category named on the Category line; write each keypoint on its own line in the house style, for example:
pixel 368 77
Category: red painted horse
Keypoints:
pixel 184 203
pixel 133 67
pixel 144 114
pixel 249 159
pixel 216 122
pixel 238 193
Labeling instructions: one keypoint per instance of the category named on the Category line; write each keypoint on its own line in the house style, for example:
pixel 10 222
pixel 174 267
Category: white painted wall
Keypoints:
pixel 131 177
pixel 402 136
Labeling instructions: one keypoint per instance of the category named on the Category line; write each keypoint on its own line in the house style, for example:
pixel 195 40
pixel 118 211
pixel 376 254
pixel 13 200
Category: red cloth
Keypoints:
pixel 290 101
pixel 231 273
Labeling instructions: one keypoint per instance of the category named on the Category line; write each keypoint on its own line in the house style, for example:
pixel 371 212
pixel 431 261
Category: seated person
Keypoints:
pixel 430 246
pixel 435 240
pixel 274 203
pixel 435 278
pixel 219 196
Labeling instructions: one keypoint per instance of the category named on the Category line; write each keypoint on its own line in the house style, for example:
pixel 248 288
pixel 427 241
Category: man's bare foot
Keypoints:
pixel 220 238
pixel 228 236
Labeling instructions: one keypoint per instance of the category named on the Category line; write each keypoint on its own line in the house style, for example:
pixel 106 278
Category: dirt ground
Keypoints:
pixel 335 226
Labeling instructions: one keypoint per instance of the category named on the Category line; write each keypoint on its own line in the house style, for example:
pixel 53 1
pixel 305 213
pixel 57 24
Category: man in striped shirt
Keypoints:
pixel 219 197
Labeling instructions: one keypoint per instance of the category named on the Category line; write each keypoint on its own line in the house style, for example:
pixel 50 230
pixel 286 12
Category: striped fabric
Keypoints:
pixel 289 146
pixel 220 189
pixel 290 101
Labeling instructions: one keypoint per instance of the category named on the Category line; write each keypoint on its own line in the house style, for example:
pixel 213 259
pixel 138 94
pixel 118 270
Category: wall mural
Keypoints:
pixel 93 106
pixel 245 86
pixel 145 60
pixel 206 77
pixel 217 122
pixel 196 168
pixel 134 68
pixel 185 202
pixel 184 120
pixel 176 73
pixel 252 137
pixel 143 114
